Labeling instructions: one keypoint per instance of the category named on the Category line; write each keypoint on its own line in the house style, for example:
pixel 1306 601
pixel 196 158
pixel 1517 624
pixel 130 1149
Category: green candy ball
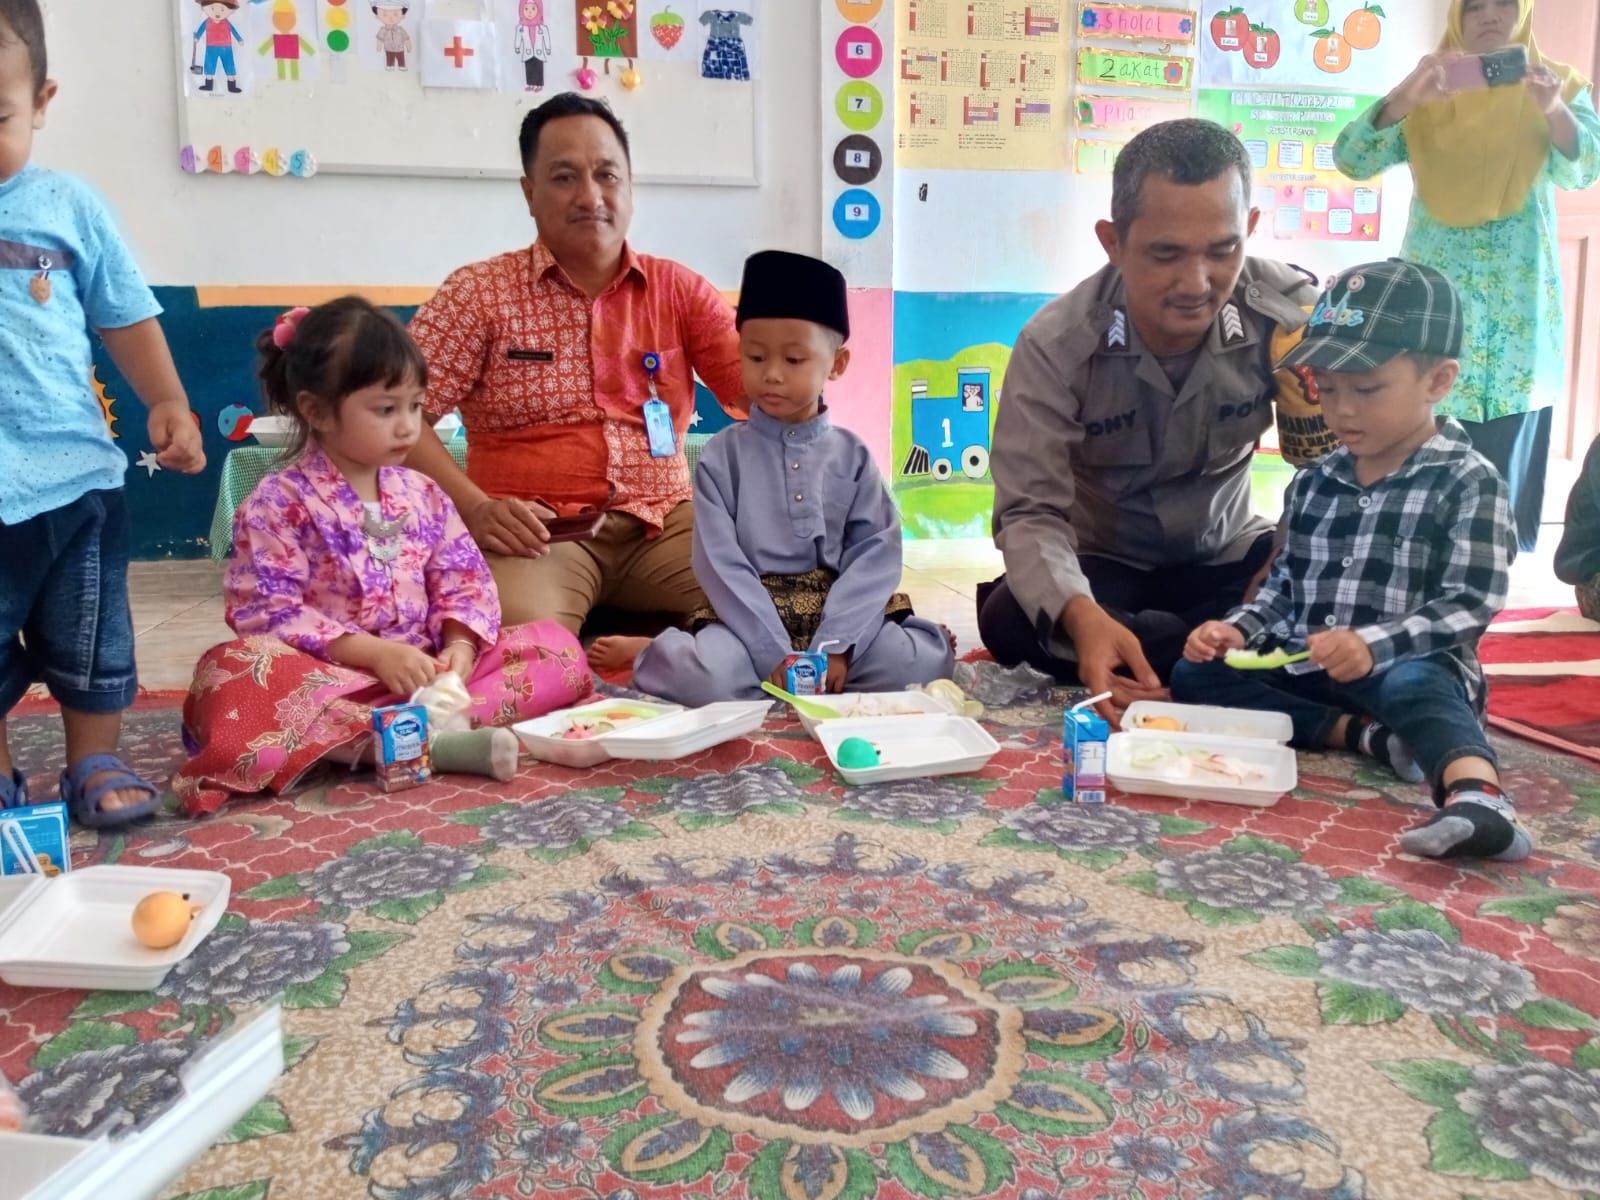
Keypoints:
pixel 856 753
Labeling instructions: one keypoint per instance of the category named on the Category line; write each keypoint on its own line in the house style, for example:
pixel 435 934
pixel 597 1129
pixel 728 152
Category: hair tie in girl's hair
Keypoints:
pixel 283 331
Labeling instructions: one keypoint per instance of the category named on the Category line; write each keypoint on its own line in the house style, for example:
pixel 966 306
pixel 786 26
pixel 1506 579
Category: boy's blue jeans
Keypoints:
pixel 64 614
pixel 1421 699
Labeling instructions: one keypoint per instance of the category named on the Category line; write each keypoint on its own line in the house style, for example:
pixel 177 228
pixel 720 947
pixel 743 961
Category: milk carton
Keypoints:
pixel 1084 734
pixel 402 749
pixel 806 673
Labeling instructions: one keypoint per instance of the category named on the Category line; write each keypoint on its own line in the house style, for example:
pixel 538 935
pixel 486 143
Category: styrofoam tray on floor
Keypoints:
pixel 867 705
pixel 1279 774
pixel 220 1084
pixel 1211 720
pixel 688 732
pixel 541 737
pixel 76 930
pixel 910 747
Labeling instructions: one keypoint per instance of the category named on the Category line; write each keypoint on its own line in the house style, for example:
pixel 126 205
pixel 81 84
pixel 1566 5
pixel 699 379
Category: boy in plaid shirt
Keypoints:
pixel 1396 560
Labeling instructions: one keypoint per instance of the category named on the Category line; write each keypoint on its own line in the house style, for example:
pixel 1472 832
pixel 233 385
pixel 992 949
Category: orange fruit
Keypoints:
pixel 1331 53
pixel 1362 29
pixel 161 919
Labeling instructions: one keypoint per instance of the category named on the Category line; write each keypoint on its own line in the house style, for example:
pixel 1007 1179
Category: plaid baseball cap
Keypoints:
pixel 1372 313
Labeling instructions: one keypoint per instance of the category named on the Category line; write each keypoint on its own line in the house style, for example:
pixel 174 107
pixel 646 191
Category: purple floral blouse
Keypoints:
pixel 303 571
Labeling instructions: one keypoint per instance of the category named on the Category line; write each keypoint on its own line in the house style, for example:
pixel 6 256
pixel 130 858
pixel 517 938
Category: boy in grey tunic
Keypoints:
pixel 796 541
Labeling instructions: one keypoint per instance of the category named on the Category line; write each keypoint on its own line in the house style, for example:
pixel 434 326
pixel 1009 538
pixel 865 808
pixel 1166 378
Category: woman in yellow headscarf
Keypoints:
pixel 1487 163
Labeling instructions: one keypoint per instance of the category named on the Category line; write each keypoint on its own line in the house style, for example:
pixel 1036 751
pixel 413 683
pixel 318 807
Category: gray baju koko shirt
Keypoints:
pixel 1095 452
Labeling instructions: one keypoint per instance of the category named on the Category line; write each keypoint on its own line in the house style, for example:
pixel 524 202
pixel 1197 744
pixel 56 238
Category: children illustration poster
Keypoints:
pixel 1290 136
pixel 219 62
pixel 607 30
pixel 666 25
pixel 537 46
pixel 728 41
pixel 387 35
pixel 285 42
pixel 237 46
pixel 1344 45
pixel 1287 76
pixel 458 54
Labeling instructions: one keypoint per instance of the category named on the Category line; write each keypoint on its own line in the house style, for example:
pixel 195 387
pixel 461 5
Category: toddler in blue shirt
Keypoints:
pixel 64 539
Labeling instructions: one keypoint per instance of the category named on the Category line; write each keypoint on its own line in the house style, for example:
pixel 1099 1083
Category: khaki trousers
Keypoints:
pixel 620 567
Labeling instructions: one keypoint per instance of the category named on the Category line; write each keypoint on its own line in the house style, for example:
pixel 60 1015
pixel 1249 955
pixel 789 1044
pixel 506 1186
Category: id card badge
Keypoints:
pixel 658 428
pixel 657 417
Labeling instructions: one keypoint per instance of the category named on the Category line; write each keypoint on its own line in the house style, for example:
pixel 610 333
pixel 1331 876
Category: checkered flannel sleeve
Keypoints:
pixel 1472 586
pixel 1269 617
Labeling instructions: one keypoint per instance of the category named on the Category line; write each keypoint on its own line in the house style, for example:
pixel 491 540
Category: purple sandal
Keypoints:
pixel 84 802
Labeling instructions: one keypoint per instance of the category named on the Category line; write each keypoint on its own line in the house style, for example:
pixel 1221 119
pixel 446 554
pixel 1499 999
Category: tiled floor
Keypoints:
pixel 177 606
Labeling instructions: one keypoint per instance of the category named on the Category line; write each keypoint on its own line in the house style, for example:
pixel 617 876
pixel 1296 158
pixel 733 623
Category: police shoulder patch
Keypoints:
pixel 1117 330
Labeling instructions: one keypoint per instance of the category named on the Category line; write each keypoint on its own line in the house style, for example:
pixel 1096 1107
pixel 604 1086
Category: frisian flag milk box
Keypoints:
pixel 402 749
pixel 1084 735
pixel 806 673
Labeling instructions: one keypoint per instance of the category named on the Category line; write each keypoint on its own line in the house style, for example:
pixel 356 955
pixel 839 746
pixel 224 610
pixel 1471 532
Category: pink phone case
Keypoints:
pixel 1465 72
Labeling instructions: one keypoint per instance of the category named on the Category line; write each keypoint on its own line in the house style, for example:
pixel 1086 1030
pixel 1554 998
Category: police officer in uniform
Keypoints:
pixel 1132 408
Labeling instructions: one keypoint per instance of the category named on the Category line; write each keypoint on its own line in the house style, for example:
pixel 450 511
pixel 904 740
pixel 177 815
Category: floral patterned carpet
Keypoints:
pixel 733 976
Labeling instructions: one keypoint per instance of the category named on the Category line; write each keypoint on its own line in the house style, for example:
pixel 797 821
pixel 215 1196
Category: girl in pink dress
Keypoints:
pixel 354 582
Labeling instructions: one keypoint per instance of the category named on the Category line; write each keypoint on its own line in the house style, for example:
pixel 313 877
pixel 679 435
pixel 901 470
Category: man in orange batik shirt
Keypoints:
pixel 572 363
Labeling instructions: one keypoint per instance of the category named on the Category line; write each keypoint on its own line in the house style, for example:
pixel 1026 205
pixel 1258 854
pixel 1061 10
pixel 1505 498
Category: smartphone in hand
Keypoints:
pixel 1498 69
pixel 580 528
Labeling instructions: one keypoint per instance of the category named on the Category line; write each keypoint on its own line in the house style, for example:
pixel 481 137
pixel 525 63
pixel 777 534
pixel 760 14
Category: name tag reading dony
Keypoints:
pixel 542 356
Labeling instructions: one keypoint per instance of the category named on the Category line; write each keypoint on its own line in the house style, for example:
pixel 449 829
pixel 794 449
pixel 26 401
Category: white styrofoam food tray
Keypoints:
pixel 910 747
pixel 660 731
pixel 688 732
pixel 271 430
pixel 542 738
pixel 1158 763
pixel 871 704
pixel 76 930
pixel 220 1084
pixel 1211 720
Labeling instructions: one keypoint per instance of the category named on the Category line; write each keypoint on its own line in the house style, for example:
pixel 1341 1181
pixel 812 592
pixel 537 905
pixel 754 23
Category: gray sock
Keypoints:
pixel 1382 743
pixel 1473 824
pixel 489 751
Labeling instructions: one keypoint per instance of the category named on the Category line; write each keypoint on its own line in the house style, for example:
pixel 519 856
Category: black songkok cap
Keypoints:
pixel 793 287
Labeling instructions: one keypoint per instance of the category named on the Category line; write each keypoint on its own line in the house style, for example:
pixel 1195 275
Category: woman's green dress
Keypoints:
pixel 1507 271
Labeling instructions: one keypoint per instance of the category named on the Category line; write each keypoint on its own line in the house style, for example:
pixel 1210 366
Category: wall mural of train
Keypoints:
pixel 950 434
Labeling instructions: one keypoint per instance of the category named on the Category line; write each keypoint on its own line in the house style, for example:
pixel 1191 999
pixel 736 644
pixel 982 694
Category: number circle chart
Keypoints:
pixel 860 106
pixel 859 52
pixel 856 213
pixel 857 159
pixel 859 12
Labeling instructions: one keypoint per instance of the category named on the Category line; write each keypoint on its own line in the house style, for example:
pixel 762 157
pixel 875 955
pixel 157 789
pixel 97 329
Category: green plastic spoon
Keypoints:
pixel 1257 660
pixel 817 712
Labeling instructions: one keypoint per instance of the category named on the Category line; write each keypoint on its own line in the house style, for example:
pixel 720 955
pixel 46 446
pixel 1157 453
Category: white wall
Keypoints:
pixel 115 123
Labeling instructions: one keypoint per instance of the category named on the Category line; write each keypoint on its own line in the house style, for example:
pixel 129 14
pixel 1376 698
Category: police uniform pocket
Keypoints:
pixel 1236 425
pixel 1116 440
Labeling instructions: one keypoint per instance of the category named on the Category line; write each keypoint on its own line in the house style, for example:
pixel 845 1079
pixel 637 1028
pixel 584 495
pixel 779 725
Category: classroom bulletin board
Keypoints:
pixel 288 88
